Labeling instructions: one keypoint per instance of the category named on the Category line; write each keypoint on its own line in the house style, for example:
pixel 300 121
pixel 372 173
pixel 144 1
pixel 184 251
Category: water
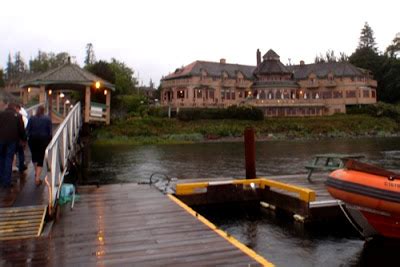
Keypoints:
pixel 283 242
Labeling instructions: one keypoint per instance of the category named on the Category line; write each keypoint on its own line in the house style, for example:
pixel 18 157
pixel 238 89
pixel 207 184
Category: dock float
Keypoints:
pixel 293 194
pixel 129 224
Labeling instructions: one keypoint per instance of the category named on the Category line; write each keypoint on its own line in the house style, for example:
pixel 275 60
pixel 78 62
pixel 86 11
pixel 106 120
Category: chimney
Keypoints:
pixel 222 61
pixel 301 62
pixel 69 60
pixel 258 57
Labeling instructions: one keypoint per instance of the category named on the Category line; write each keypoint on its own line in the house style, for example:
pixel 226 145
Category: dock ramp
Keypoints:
pixel 21 222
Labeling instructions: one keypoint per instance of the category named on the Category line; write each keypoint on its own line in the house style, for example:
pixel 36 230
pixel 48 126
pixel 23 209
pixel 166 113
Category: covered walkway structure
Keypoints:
pixel 63 86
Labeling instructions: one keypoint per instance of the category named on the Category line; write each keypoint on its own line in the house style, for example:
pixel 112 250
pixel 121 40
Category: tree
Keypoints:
pixel 90 57
pixel 367 39
pixel 125 83
pixel 2 83
pixel 45 61
pixel 393 50
pixel 103 70
pixel 15 68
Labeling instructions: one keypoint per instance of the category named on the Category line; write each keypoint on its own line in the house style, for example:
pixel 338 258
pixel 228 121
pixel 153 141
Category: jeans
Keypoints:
pixel 7 152
pixel 21 157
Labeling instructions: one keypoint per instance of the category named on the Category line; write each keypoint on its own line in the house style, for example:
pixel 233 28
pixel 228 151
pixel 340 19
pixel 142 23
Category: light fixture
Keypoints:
pixel 50 92
pixel 62 95
pixel 29 89
pixel 105 92
pixel 67 102
pixel 97 85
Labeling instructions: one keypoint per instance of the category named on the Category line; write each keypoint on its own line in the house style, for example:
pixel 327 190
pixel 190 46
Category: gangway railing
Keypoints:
pixel 32 110
pixel 60 150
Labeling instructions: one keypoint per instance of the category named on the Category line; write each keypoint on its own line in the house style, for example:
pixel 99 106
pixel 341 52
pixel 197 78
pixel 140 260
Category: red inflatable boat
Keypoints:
pixel 371 196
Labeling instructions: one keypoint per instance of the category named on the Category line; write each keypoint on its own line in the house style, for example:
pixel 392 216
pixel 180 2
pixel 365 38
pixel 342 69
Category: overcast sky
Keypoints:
pixel 154 37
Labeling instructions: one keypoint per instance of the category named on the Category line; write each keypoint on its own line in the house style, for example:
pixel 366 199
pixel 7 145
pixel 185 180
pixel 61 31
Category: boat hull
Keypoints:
pixel 372 202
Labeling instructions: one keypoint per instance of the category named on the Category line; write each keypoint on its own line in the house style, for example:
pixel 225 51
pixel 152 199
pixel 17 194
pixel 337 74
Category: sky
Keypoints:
pixel 154 37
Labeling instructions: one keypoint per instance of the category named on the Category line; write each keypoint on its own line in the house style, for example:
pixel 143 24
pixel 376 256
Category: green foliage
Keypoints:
pixel 125 83
pixel 132 103
pixel 152 130
pixel 2 78
pixel 381 110
pixel 103 70
pixel 367 39
pixel 90 57
pixel 45 61
pixel 15 67
pixel 232 112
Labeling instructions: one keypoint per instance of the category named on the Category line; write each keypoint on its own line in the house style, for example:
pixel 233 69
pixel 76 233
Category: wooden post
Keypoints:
pixel 250 153
pixel 58 102
pixel 87 104
pixel 108 106
pixel 25 96
pixel 50 100
pixel 42 94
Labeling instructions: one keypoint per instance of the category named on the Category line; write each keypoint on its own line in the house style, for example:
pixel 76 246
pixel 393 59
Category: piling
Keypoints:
pixel 250 152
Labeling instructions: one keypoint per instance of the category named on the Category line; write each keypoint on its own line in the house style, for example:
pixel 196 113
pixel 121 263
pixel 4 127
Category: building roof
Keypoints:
pixel 69 76
pixel 339 69
pixel 214 69
pixel 271 65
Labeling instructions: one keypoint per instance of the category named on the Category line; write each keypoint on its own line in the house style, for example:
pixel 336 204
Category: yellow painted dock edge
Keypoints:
pixel 251 253
pixel 305 194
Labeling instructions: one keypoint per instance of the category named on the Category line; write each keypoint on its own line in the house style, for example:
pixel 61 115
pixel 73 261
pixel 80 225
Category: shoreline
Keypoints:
pixel 140 140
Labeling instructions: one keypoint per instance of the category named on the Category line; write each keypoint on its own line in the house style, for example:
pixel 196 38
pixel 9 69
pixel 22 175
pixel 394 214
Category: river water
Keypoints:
pixel 281 241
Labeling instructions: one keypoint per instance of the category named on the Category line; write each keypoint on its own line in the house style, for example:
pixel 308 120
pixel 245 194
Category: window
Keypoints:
pixel 351 94
pixel 211 94
pixel 337 94
pixel 373 94
pixel 366 93
pixel 233 96
pixel 199 93
pixel 326 94
pixel 228 94
pixel 181 94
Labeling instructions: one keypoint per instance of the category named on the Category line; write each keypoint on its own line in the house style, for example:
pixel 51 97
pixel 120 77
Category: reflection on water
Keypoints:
pixel 134 163
pixel 283 242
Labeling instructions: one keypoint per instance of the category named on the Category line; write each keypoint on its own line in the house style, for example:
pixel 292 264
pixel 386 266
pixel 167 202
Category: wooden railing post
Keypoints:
pixel 250 153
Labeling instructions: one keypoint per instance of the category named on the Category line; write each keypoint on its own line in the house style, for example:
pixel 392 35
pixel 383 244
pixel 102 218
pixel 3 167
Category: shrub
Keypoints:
pixel 232 112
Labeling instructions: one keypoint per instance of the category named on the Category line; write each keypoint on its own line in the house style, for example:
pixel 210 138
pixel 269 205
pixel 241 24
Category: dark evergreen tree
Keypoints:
pixel 2 83
pixel 393 50
pixel 90 57
pixel 367 39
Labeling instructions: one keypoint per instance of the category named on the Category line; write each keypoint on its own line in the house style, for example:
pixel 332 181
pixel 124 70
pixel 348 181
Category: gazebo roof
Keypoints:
pixel 67 76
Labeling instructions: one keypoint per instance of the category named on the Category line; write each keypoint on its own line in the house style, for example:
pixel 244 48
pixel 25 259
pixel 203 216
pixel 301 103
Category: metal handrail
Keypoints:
pixel 59 151
pixel 32 110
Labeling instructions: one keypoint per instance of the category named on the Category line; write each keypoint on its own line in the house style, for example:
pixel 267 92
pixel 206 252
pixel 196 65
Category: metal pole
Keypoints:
pixel 250 153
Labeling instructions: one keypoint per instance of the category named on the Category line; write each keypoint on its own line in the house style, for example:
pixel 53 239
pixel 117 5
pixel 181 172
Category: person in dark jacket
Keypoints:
pixel 39 131
pixel 12 132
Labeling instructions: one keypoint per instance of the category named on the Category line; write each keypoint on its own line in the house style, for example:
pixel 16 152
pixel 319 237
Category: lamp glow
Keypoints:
pixel 50 92
pixel 97 85
pixel 29 89
pixel 105 92
pixel 62 95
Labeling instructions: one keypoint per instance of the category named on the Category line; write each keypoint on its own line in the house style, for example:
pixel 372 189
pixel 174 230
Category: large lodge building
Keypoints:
pixel 279 90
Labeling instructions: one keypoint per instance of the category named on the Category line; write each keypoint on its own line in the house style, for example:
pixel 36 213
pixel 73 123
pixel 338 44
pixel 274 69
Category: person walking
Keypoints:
pixel 20 151
pixel 39 131
pixel 12 132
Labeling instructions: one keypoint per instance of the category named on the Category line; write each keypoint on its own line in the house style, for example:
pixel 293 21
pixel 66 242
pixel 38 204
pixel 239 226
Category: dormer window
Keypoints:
pixel 224 76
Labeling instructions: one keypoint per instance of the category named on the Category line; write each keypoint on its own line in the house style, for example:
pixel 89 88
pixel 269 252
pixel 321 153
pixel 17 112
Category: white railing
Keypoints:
pixel 32 110
pixel 59 151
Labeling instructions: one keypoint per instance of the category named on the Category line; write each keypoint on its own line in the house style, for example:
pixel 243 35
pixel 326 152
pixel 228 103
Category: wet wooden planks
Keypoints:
pixel 24 222
pixel 126 224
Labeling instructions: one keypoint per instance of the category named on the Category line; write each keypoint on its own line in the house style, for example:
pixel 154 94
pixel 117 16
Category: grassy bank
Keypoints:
pixel 153 130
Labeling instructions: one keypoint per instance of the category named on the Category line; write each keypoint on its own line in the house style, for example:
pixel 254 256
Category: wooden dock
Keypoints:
pixel 129 224
pixel 308 201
